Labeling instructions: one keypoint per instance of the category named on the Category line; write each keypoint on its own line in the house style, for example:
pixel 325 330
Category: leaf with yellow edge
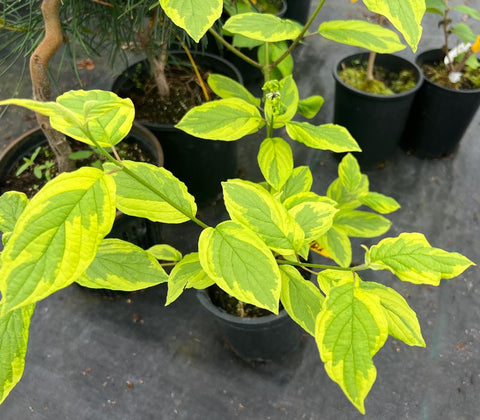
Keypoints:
pixel 411 258
pixel 14 328
pixel 241 264
pixel 121 265
pixel 195 16
pixel 12 204
pixel 275 159
pixel 263 27
pixel 405 15
pixel 301 298
pixel 349 331
pixel 57 236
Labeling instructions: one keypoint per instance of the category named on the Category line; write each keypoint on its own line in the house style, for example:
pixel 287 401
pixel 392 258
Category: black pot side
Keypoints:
pixel 375 121
pixel 139 231
pixel 439 116
pixel 268 338
pixel 201 164
pixel 298 10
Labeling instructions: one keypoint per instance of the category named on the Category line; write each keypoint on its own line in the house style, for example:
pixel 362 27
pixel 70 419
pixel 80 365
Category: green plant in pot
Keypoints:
pixel 57 238
pixel 451 91
pixel 374 91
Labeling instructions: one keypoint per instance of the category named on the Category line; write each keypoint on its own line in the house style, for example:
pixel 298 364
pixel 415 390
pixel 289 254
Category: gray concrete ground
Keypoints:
pixel 129 357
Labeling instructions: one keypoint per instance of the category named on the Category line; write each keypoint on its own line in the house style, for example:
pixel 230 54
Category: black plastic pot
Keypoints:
pixel 201 164
pixel 439 116
pixel 139 231
pixel 375 121
pixel 298 10
pixel 268 338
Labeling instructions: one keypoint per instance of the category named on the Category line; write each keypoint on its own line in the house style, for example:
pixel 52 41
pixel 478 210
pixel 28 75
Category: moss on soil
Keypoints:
pixel 438 73
pixel 384 83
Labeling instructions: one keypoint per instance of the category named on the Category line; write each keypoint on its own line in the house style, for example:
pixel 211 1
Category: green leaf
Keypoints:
pixel 121 265
pixel 310 106
pixel 314 216
pixel 195 16
pixel 328 279
pixel 103 115
pixel 12 204
pixel 436 6
pixel 472 62
pixel 263 27
pixel 463 31
pixel 350 329
pixel 57 236
pixel 300 181
pixel 325 137
pixel 164 252
pixel 405 15
pixel 255 208
pixel 469 11
pixel 351 185
pixel 166 200
pixel 379 202
pixel 337 245
pixel 275 160
pixel 402 320
pixel 187 272
pixel 300 298
pixel 411 258
pixel 225 87
pixel 225 119
pixel 288 95
pixel 84 114
pixel 275 51
pixel 309 196
pixel 241 264
pixel 361 224
pixel 362 34
pixel 241 41
pixel 14 328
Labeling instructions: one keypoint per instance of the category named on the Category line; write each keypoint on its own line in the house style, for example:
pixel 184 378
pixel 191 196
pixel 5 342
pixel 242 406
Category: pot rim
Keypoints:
pixel 458 91
pixel 377 96
pixel 13 145
pixel 206 302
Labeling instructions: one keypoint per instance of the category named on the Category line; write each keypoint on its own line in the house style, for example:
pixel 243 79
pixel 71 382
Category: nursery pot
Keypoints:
pixel 298 10
pixel 439 116
pixel 265 338
pixel 201 164
pixel 141 232
pixel 375 121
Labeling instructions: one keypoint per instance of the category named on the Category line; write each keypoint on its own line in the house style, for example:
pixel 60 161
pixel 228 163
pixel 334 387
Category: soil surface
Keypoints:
pixel 185 93
pixel 28 183
pixel 438 73
pixel 385 82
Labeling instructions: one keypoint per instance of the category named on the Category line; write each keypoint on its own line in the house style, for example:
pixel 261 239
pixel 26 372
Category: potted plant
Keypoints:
pixel 450 96
pixel 253 256
pixel 374 93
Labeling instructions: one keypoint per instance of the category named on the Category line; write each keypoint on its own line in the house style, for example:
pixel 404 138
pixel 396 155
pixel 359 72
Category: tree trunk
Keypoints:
pixel 41 84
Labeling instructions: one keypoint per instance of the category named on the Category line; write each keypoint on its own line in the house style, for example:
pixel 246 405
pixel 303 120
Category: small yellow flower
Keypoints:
pixel 476 46
pixel 353 1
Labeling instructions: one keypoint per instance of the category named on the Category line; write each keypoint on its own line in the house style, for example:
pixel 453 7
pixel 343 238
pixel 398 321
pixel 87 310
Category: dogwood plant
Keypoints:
pixel 58 237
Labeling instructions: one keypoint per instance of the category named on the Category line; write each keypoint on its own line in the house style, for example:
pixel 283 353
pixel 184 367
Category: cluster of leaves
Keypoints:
pixel 461 29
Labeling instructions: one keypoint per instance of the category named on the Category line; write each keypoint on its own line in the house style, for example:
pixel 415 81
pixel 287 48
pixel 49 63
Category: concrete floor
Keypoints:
pixel 128 357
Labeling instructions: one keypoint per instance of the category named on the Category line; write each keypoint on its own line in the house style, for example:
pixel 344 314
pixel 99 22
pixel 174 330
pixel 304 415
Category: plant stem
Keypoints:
pixel 39 62
pixel 299 37
pixel 446 35
pixel 371 65
pixel 139 179
pixel 234 50
pixel 323 266
pixel 197 72
pixel 266 69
